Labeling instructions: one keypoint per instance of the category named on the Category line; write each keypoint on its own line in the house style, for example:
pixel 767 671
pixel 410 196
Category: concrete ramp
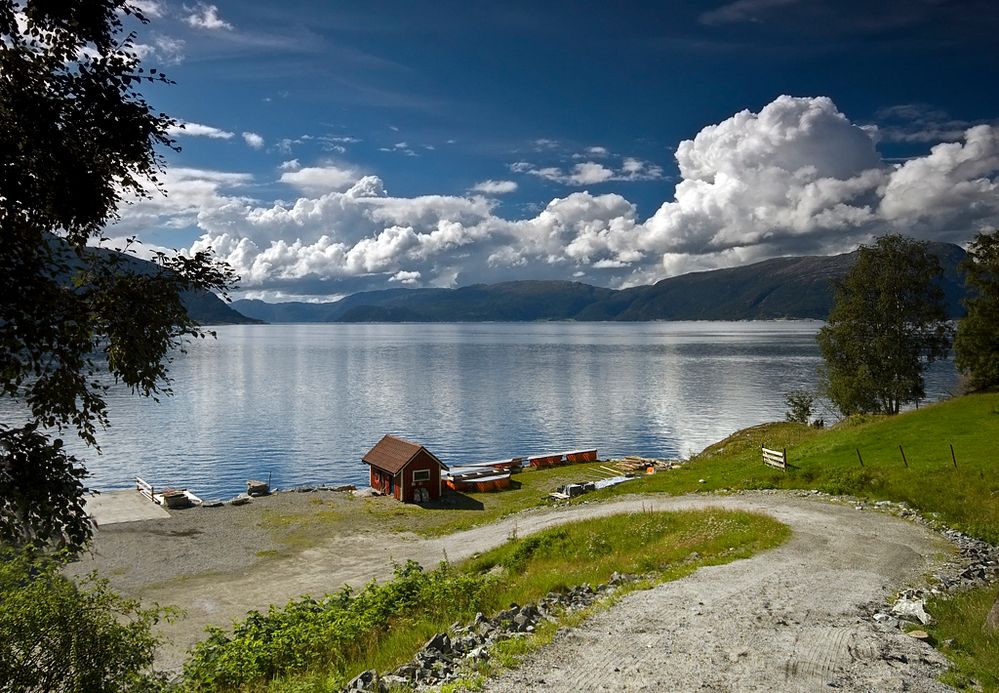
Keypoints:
pixel 112 507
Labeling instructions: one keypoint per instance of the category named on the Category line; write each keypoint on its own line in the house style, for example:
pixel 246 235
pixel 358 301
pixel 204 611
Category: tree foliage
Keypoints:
pixel 60 636
pixel 800 405
pixel 77 140
pixel 887 324
pixel 976 347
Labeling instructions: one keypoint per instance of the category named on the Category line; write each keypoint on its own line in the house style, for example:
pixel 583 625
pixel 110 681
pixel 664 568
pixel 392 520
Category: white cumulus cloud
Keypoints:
pixel 253 140
pixel 165 49
pixel 199 130
pixel 319 178
pixel 151 9
pixel 495 187
pixel 795 177
pixel 592 172
pixel 204 16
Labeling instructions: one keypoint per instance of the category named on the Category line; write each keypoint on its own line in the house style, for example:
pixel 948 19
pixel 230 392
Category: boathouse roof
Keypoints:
pixel 392 454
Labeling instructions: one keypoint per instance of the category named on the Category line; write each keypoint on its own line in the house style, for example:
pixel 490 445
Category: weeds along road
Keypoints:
pixel 792 618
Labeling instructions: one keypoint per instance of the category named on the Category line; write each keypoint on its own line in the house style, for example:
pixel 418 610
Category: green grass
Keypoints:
pixel 965 497
pixel 320 645
pixel 530 488
pixel 958 633
pixel 313 523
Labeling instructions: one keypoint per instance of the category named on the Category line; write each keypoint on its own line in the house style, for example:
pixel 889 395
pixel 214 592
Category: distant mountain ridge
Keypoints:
pixel 204 307
pixel 788 287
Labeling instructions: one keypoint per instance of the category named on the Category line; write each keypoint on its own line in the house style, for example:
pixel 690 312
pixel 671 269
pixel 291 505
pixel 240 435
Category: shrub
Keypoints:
pixel 63 636
pixel 800 404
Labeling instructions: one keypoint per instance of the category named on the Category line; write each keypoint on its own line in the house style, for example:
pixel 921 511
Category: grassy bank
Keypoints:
pixel 961 490
pixel 965 495
pixel 318 645
pixel 317 521
pixel 958 633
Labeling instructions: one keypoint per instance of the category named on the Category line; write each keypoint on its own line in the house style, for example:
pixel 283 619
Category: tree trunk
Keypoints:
pixel 992 620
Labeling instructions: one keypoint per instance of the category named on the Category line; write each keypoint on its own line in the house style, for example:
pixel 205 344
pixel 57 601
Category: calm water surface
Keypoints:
pixel 305 402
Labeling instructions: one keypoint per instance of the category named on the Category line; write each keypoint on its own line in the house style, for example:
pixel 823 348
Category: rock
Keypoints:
pixel 439 643
pixel 484 629
pixel 521 622
pixel 393 682
pixel 992 620
pixel 912 609
pixel 478 654
pixel 406 671
pixel 367 681
pixel 508 614
pixel 918 634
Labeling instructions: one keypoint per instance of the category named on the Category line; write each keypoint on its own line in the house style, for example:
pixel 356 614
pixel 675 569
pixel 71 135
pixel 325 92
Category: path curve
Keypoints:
pixel 792 618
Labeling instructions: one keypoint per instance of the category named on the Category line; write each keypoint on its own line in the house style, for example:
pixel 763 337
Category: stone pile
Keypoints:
pixel 977 564
pixel 452 655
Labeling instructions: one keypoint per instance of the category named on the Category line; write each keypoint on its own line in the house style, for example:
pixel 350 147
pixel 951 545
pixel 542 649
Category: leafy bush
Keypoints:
pixel 60 636
pixel 800 404
pixel 314 644
pixel 331 631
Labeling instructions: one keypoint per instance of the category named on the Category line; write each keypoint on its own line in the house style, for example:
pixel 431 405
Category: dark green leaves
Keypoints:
pixel 888 323
pixel 977 344
pixel 76 139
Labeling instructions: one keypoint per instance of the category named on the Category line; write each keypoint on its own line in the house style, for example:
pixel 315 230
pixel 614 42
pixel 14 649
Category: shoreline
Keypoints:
pixel 219 563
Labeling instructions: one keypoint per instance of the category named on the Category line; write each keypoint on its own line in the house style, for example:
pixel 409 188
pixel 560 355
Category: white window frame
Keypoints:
pixel 416 479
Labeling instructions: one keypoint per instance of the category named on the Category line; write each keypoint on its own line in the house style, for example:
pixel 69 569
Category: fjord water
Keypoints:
pixel 303 403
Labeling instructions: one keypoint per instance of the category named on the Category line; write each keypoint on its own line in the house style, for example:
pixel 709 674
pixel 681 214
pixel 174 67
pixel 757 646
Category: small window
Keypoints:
pixel 421 475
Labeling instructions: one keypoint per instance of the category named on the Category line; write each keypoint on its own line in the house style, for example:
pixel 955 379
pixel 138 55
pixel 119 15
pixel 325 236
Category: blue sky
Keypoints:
pixel 337 147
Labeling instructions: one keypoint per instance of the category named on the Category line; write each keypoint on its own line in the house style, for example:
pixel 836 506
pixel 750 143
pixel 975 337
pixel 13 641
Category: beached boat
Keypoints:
pixel 173 498
pixel 167 497
pixel 479 482
pixel 513 464
pixel 545 461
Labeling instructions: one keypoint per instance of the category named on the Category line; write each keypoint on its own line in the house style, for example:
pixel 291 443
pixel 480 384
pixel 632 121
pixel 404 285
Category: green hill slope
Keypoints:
pixel 965 496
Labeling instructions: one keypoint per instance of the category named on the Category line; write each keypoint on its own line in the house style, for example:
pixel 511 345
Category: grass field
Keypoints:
pixel 965 496
pixel 319 645
pixel 961 490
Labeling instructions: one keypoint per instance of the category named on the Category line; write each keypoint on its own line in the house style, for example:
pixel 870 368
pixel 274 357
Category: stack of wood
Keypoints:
pixel 175 498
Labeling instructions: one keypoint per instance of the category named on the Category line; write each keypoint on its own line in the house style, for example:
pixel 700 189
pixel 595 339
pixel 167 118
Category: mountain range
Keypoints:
pixel 787 287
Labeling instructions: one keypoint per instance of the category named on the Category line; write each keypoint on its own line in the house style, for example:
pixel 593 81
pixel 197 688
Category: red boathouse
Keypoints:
pixel 404 469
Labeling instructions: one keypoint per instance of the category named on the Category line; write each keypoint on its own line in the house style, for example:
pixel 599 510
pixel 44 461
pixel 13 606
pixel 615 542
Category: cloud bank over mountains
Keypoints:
pixel 796 178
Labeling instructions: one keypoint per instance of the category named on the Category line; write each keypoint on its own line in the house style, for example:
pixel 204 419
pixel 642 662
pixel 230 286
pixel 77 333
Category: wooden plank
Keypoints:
pixel 775 458
pixel 145 488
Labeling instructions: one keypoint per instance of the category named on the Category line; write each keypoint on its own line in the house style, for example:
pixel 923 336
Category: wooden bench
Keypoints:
pixel 775 458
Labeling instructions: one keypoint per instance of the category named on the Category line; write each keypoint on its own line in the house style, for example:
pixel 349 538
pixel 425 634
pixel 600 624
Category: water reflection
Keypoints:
pixel 305 402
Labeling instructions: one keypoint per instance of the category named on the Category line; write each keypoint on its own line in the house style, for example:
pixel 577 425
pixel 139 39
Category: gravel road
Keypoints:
pixel 793 618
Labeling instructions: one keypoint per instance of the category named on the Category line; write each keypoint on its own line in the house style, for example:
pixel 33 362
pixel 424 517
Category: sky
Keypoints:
pixel 329 148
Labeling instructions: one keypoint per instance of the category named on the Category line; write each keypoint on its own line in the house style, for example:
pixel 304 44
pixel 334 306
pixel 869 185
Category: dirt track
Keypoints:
pixel 788 619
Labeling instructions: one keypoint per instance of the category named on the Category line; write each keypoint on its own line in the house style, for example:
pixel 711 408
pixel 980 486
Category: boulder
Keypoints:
pixel 992 620
pixel 367 681
pixel 439 643
pixel 912 609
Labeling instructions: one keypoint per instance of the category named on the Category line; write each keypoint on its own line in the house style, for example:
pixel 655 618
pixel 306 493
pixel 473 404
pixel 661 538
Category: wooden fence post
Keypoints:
pixel 904 461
